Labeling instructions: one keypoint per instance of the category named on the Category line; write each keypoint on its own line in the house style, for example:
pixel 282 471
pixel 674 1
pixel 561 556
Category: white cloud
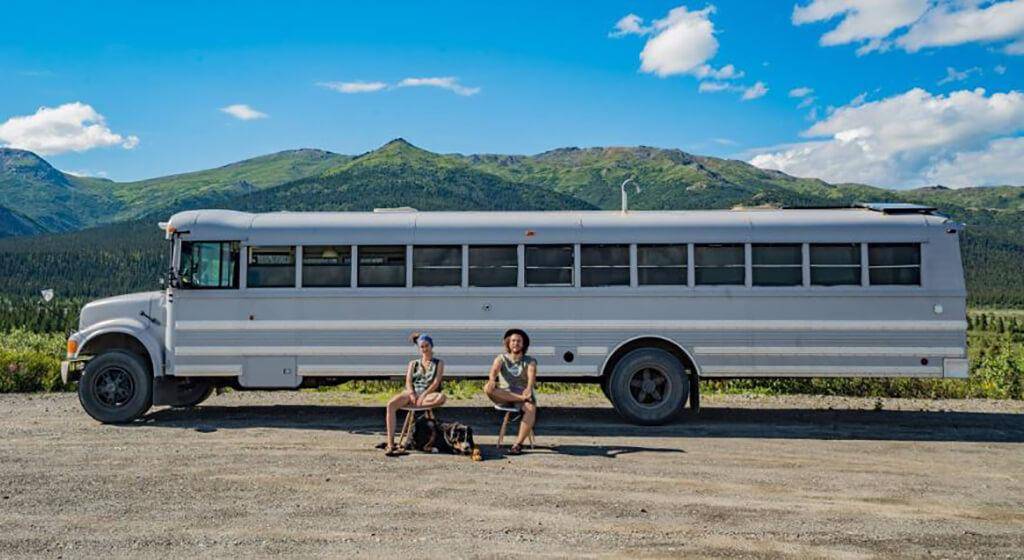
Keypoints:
pixel 754 91
pixel 956 23
pixel 953 75
pixel 243 112
pixel 800 92
pixel 859 100
pixel 807 102
pixel 1000 162
pixel 878 25
pixel 630 24
pixel 727 72
pixel 72 127
pixel 682 43
pixel 353 87
pixel 999 69
pixel 712 87
pixel 912 139
pixel 449 83
pixel 725 141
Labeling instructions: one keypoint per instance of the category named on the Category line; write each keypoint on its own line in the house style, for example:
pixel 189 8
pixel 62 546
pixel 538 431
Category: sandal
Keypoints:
pixel 516 449
pixel 393 451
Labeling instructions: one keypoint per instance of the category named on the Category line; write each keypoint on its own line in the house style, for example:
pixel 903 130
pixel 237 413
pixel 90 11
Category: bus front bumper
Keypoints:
pixel 71 370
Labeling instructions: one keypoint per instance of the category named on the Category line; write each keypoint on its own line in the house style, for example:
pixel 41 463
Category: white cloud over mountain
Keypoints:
pixel 878 25
pixel 72 127
pixel 916 138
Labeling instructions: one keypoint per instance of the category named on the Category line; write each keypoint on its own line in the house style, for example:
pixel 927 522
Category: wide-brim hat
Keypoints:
pixel 520 332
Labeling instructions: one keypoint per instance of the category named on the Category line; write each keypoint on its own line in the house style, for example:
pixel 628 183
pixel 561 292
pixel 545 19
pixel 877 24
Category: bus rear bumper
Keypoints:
pixel 954 367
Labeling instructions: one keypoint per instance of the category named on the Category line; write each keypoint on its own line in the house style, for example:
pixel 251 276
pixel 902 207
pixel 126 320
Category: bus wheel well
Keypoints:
pixel 118 341
pixel 649 342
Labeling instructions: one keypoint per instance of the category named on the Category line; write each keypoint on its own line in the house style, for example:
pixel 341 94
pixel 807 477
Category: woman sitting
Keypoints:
pixel 511 382
pixel 423 379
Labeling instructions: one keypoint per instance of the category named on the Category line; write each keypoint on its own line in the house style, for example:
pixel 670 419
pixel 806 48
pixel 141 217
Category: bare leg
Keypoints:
pixel 501 396
pixel 433 400
pixel 526 424
pixel 396 402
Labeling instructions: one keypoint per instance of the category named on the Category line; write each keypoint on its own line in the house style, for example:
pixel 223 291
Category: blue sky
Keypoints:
pixel 154 80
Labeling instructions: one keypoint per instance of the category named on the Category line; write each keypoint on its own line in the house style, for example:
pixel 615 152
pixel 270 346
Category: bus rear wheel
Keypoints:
pixel 649 386
pixel 116 387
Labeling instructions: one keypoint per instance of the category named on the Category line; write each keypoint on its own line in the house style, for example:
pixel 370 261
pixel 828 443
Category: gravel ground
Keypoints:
pixel 265 474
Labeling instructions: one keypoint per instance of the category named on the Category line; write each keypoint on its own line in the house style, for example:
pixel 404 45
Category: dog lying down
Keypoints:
pixel 433 436
pixel 430 435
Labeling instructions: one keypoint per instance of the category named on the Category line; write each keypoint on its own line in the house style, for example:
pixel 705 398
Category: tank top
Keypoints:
pixel 512 375
pixel 423 377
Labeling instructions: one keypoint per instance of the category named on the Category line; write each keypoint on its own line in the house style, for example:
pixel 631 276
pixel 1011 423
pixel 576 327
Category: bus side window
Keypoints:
pixel 777 264
pixel 271 267
pixel 835 264
pixel 493 266
pixel 661 265
pixel 549 265
pixel 327 266
pixel 894 264
pixel 437 266
pixel 604 265
pixel 381 266
pixel 208 265
pixel 719 264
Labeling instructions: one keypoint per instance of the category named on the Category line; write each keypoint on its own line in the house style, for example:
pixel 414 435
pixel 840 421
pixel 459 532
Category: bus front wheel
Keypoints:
pixel 649 386
pixel 116 387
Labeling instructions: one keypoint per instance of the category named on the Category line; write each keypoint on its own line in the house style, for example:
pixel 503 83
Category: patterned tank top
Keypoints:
pixel 512 375
pixel 422 377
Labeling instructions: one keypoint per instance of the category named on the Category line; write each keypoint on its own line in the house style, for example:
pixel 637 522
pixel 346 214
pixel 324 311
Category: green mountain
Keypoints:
pixel 400 174
pixel 125 256
pixel 12 223
pixel 59 201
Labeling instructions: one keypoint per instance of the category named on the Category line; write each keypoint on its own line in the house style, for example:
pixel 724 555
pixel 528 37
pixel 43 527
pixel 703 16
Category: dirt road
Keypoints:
pixel 296 473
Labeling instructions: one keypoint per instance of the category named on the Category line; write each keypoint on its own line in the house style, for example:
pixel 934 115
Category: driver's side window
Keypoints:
pixel 209 265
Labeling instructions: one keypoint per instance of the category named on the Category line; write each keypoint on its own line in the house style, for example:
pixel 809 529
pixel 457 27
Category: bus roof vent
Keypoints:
pixel 897 207
pixel 398 209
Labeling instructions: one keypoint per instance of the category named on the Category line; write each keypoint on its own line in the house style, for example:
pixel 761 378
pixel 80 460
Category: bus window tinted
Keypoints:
pixel 549 265
pixel 382 266
pixel 835 264
pixel 661 265
pixel 719 264
pixel 437 266
pixel 209 265
pixel 271 267
pixel 604 265
pixel 894 263
pixel 327 266
pixel 493 266
pixel 777 264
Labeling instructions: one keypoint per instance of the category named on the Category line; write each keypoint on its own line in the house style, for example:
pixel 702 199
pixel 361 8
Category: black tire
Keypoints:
pixel 649 386
pixel 193 395
pixel 116 387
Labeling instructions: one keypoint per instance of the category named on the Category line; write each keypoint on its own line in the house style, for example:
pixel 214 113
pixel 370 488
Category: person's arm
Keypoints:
pixel 531 380
pixel 439 374
pixel 408 383
pixel 492 376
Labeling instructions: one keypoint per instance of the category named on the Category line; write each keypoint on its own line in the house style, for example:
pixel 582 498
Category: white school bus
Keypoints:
pixel 645 303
